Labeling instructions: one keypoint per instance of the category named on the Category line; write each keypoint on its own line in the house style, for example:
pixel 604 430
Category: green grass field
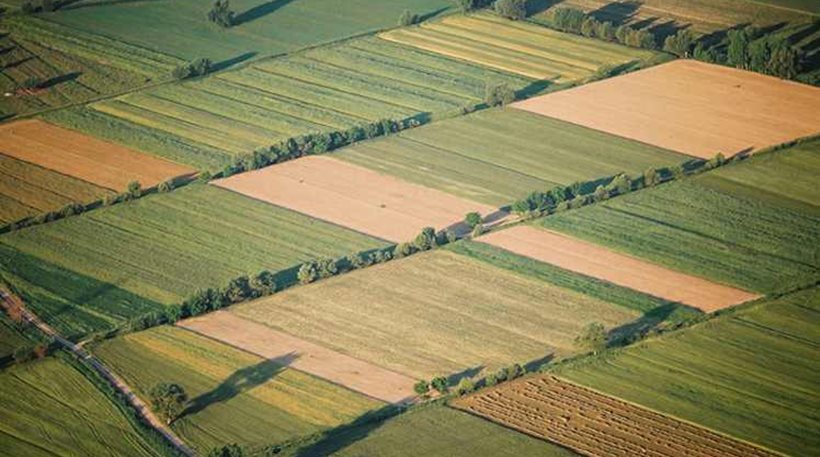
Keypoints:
pixel 48 408
pixel 234 397
pixel 434 431
pixel 324 89
pixel 437 313
pixel 754 224
pixel 498 156
pixel 751 374
pixel 92 271
pixel 181 28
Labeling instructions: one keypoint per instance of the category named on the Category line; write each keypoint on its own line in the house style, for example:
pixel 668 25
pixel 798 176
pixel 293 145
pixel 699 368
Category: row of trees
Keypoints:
pixel 511 9
pixel 40 6
pixel 576 21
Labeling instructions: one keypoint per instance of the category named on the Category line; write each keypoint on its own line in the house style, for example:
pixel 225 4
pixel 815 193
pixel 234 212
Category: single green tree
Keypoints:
pixel 422 387
pixel 592 338
pixel 472 219
pixel 407 18
pixel 307 273
pixel 168 401
pixel 440 384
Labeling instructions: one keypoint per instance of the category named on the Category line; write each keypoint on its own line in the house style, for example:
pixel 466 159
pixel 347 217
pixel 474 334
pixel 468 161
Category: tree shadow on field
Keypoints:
pixel 618 13
pixel 455 378
pixel 227 63
pixel 77 4
pixel 339 438
pixel 432 14
pixel 539 6
pixel 667 314
pixel 60 79
pixel 259 11
pixel 240 381
pixel 538 364
pixel 666 29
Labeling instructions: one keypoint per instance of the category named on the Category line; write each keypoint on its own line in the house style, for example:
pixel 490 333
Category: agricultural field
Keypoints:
pixel 595 424
pixel 90 272
pixel 434 431
pixel 521 48
pixel 485 317
pixel 355 197
pixel 86 158
pixel 234 397
pixel 717 228
pixel 470 157
pixel 70 418
pixel 601 263
pixel 690 107
pixel 751 374
pixel 27 190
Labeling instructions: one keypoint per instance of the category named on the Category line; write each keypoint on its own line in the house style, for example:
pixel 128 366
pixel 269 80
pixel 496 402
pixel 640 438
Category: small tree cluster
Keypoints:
pixel 511 9
pixel 504 374
pixel 168 401
pixel 498 94
pixel 228 450
pixel 772 55
pixel 194 68
pixel 221 14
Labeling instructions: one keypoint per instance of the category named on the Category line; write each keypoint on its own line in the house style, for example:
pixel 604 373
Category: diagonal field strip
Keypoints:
pixel 341 369
pixel 601 263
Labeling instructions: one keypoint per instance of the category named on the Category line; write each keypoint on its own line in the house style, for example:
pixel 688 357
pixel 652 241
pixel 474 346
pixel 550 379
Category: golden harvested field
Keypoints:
pixel 83 157
pixel 594 424
pixel 599 262
pixel 354 197
pixel 690 107
pixel 340 369
pixel 436 313
pixel 516 47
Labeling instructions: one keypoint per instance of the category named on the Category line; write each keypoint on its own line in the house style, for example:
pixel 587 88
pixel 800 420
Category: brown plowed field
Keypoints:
pixel 355 374
pixel 690 107
pixel 87 158
pixel 354 197
pixel 594 424
pixel 599 262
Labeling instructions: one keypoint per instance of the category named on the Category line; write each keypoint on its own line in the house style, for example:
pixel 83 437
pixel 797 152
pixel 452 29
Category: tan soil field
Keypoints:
pixel 340 369
pixel 354 197
pixel 594 424
pixel 601 263
pixel 690 107
pixel 105 164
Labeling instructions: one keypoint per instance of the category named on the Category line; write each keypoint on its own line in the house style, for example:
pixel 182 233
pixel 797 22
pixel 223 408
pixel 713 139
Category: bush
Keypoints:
pixel 440 384
pixel 221 14
pixel 592 338
pixel 422 387
pixel 198 67
pixel 408 18
pixel 465 386
pixel 228 450
pixel 426 239
pixel 498 95
pixel 472 219
pixel 403 250
pixel 307 273
pixel 511 9
pixel 166 186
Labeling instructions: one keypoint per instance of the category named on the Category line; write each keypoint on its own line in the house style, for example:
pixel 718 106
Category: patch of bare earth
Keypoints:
pixel 354 197
pixel 690 107
pixel 595 424
pixel 601 263
pixel 84 157
pixel 341 369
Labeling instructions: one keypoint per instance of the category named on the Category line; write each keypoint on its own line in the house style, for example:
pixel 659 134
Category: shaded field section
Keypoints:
pixel 434 431
pixel 436 313
pixel 27 190
pixel 516 47
pixel 354 197
pixel 498 156
pixel 325 89
pixel 356 375
pixel 595 424
pixel 91 272
pixel 751 374
pixel 690 107
pixel 730 225
pixel 601 263
pixel 48 408
pixel 83 157
pixel 234 396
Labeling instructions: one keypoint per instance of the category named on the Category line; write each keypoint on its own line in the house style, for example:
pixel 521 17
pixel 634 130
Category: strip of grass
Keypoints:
pixel 235 397
pixel 752 374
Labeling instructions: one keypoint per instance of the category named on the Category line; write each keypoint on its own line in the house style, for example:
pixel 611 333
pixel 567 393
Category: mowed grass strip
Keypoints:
pixel 498 156
pixel 751 374
pixel 235 397
pixel 736 231
pixel 521 48
pixel 122 261
pixel 48 408
pixel 436 313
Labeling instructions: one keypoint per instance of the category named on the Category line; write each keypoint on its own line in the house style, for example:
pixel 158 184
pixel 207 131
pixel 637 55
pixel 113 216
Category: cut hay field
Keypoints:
pixel 48 408
pixel 433 431
pixel 234 397
pixel 91 272
pixel 690 107
pixel 83 157
pixel 736 230
pixel 751 374
pixel 516 47
pixel 27 190
pixel 498 156
pixel 323 89
pixel 436 313
pixel 595 424
pixel 262 28
pixel 601 263
pixel 354 197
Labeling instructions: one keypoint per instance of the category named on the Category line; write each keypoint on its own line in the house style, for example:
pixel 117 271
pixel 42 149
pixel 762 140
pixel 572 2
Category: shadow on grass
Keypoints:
pixel 618 13
pixel 259 11
pixel 60 79
pixel 539 6
pixel 232 61
pixel 455 378
pixel 432 14
pixel 341 437
pixel 669 314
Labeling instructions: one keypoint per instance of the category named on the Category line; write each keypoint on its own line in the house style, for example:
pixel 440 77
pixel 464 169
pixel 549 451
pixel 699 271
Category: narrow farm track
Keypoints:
pixel 9 300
